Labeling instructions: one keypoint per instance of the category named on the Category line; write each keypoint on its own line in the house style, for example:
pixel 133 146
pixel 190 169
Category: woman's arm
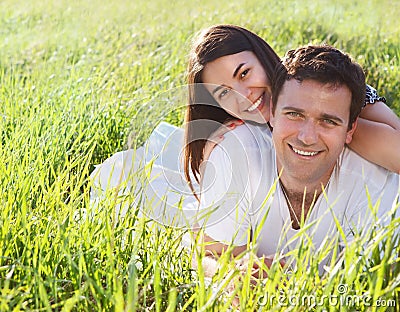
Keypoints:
pixel 381 113
pixel 377 136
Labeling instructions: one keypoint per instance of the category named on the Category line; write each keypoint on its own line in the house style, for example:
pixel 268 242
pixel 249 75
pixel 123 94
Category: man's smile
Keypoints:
pixel 302 152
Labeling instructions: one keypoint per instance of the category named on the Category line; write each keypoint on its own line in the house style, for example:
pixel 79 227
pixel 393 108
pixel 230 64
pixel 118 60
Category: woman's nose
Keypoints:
pixel 243 93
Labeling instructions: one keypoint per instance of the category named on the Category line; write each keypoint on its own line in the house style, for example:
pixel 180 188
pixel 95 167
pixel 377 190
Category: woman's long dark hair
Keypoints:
pixel 211 44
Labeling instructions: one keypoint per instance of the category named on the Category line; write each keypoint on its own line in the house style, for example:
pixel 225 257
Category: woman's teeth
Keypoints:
pixel 304 153
pixel 256 104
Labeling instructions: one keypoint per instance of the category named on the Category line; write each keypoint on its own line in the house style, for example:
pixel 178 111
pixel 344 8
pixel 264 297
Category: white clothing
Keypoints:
pixel 150 178
pixel 240 188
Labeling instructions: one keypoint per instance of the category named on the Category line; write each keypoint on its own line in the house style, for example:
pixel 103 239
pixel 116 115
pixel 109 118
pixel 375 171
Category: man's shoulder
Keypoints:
pixel 364 183
pixel 355 167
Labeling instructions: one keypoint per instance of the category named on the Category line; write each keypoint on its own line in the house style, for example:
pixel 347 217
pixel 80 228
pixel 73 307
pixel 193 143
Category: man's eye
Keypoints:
pixel 330 122
pixel 244 73
pixel 293 114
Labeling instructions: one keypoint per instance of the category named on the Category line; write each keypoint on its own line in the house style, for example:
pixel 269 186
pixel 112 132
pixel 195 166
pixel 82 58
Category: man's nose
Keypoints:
pixel 308 133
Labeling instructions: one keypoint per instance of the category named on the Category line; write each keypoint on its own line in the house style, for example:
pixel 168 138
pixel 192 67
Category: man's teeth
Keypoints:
pixel 256 104
pixel 304 153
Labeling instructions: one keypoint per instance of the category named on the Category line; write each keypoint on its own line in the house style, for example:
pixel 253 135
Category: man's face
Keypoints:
pixel 310 129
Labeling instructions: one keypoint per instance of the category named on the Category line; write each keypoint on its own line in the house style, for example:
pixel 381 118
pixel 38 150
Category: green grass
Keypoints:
pixel 80 77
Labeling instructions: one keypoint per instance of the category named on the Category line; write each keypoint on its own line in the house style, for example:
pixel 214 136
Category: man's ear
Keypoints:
pixel 349 135
pixel 271 116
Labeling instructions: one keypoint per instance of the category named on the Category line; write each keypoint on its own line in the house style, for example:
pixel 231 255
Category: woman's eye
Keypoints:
pixel 223 93
pixel 244 73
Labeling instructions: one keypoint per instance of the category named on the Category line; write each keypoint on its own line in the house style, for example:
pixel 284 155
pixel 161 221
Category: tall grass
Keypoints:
pixel 77 77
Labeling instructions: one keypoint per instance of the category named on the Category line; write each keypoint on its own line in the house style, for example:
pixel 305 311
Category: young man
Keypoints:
pixel 266 188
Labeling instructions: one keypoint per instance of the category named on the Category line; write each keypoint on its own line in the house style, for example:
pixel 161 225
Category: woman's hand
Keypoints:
pixel 217 136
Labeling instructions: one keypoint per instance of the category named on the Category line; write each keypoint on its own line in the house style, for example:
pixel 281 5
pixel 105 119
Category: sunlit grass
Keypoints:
pixel 76 78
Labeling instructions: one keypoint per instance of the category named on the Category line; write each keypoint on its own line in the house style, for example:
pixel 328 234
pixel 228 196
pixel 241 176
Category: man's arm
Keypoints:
pixel 214 249
pixel 226 197
pixel 230 183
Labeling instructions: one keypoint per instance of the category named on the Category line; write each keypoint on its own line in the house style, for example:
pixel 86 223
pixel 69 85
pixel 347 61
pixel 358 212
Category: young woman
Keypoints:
pixel 229 75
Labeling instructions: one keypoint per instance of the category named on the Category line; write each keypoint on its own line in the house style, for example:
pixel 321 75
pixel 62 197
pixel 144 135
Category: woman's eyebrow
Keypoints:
pixel 237 69
pixel 217 88
pixel 234 75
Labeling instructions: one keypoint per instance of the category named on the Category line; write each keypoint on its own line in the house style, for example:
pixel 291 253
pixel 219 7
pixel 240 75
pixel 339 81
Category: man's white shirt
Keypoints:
pixel 241 196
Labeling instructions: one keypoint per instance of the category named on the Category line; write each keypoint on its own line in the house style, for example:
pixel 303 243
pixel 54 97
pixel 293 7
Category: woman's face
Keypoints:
pixel 239 84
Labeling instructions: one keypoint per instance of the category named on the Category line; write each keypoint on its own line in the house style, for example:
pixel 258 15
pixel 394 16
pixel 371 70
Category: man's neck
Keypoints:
pixel 300 204
pixel 301 197
pixel 301 194
pixel 298 185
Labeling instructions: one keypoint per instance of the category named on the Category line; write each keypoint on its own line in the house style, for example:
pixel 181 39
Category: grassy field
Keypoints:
pixel 79 81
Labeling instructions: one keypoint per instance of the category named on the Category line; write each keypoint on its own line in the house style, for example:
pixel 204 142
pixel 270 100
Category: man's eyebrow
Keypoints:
pixel 237 69
pixel 333 117
pixel 291 108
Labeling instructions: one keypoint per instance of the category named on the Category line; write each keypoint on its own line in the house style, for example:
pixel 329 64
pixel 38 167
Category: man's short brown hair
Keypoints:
pixel 326 65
